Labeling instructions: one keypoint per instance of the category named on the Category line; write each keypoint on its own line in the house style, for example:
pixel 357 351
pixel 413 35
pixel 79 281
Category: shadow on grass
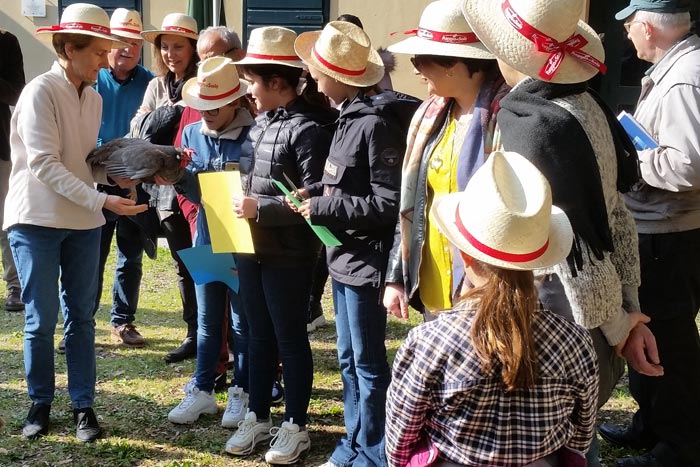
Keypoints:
pixel 136 429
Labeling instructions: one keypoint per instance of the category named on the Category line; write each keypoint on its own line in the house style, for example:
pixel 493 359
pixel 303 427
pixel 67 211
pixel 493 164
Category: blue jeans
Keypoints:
pixel 44 256
pixel 360 321
pixel 128 272
pixel 214 300
pixel 276 303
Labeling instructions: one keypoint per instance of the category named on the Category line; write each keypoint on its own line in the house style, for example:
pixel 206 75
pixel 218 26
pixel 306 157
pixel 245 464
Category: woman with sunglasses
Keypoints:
pixel 449 137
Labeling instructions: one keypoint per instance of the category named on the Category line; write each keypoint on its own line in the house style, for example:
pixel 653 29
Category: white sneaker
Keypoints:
pixel 328 464
pixel 236 407
pixel 249 434
pixel 288 444
pixel 189 386
pixel 316 322
pixel 194 404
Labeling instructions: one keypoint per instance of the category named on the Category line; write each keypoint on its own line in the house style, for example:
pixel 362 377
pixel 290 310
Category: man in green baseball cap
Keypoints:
pixel 658 6
pixel 665 205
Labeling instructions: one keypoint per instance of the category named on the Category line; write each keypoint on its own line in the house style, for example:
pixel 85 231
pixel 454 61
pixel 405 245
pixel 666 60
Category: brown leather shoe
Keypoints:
pixel 13 302
pixel 128 335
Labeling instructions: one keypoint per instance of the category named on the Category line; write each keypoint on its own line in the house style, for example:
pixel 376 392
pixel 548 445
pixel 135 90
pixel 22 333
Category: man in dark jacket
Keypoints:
pixel 11 84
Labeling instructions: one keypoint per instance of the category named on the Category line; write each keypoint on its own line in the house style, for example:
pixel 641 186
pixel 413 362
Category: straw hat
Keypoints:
pixel 176 24
pixel 217 84
pixel 82 18
pixel 342 51
pixel 504 217
pixel 126 23
pixel 543 39
pixel 442 30
pixel 271 45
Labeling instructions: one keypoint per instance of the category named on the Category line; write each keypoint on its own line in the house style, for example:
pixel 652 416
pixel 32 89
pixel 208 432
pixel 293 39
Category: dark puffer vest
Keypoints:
pixel 294 141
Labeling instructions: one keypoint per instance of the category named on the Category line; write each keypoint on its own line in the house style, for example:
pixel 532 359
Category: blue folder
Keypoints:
pixel 640 137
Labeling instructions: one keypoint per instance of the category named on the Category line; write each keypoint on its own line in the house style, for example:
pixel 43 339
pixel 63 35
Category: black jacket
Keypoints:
pixel 11 84
pixel 293 141
pixel 361 185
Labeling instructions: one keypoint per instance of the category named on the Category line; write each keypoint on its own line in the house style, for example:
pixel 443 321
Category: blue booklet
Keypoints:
pixel 640 137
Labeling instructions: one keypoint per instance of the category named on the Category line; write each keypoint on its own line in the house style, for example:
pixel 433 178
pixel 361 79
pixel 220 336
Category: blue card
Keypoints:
pixel 205 266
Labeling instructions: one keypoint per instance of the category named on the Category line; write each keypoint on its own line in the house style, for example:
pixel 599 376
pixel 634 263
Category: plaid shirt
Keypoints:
pixel 440 391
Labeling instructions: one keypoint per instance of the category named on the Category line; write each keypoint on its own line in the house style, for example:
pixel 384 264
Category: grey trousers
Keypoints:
pixel 8 263
pixel 611 367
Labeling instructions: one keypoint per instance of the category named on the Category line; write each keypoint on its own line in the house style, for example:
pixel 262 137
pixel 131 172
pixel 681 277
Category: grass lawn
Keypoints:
pixel 136 389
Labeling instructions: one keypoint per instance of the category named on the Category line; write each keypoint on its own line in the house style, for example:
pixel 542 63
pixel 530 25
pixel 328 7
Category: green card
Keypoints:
pixel 321 232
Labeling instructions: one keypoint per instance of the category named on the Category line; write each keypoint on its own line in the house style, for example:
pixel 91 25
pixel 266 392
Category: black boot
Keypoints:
pixel 188 349
pixel 37 422
pixel 87 428
pixel 624 437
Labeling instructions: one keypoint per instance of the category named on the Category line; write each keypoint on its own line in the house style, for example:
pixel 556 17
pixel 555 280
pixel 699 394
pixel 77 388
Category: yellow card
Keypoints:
pixel 228 232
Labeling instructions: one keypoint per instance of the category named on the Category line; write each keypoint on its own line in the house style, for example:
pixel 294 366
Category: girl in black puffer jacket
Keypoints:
pixel 291 137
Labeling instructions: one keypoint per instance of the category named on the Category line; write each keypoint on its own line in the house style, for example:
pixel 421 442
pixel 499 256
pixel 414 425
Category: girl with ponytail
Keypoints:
pixel 496 380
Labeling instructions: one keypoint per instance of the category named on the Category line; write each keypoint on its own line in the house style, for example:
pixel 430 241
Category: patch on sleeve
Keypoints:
pixel 390 157
pixel 331 169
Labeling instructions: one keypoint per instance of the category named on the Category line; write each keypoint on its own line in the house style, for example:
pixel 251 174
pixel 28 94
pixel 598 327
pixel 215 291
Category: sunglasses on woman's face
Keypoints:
pixel 212 112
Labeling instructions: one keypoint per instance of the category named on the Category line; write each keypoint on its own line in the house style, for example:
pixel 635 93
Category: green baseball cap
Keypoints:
pixel 657 6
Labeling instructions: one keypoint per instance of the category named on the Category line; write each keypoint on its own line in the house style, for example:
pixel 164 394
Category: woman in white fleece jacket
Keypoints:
pixel 53 214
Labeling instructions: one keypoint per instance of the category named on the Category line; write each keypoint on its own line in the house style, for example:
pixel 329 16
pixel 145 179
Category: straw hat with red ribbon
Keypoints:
pixel 543 39
pixel 442 30
pixel 216 84
pixel 504 217
pixel 126 23
pixel 85 19
pixel 342 51
pixel 271 45
pixel 175 24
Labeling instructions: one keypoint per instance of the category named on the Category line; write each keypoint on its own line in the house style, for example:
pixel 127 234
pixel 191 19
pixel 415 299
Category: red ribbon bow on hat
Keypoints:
pixel 556 49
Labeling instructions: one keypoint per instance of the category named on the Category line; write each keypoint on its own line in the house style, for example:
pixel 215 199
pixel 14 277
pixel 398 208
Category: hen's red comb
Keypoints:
pixel 186 156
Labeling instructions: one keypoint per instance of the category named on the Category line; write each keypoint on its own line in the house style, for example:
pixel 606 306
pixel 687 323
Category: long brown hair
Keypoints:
pixel 502 329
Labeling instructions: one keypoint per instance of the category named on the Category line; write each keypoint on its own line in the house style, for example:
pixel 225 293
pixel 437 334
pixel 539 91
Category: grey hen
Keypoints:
pixel 137 159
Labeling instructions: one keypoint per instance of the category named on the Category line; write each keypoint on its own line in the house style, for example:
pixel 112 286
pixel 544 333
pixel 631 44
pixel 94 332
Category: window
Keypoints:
pixel 108 5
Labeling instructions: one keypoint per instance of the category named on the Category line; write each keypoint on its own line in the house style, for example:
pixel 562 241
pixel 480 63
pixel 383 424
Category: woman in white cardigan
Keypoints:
pixel 53 213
